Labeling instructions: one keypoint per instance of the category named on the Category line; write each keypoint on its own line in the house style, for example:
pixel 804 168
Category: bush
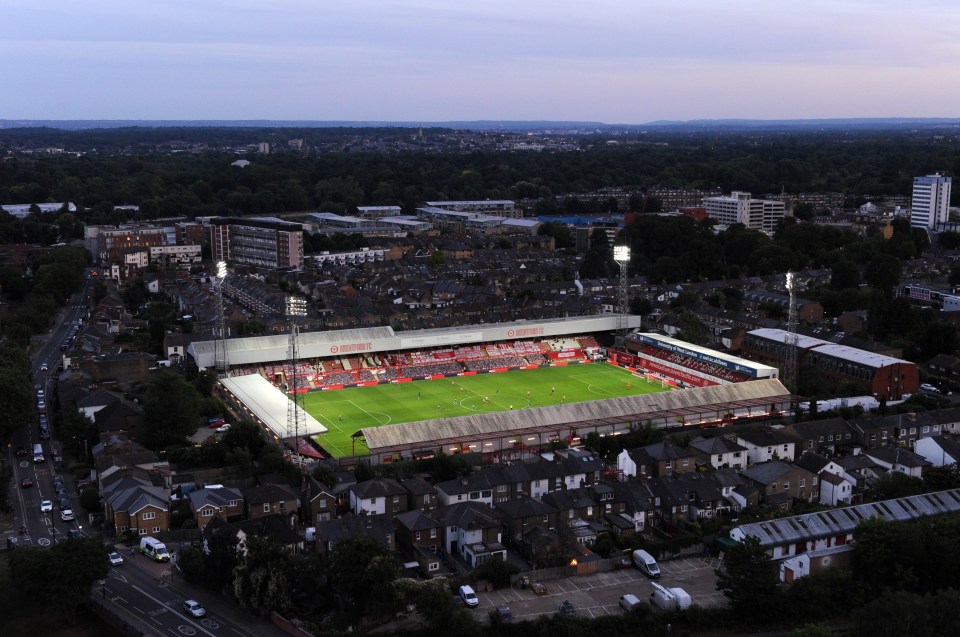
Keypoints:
pixel 497 572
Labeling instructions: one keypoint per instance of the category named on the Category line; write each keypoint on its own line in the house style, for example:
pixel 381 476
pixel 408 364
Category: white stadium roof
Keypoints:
pixel 269 404
pixel 267 349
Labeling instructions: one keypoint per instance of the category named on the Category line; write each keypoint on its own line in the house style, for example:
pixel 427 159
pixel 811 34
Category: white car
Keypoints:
pixel 468 597
pixel 193 607
pixel 222 429
pixel 930 388
pixel 66 515
pixel 44 367
pixel 46 505
pixel 115 558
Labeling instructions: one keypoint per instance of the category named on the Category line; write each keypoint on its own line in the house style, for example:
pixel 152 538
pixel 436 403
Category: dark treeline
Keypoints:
pixel 167 183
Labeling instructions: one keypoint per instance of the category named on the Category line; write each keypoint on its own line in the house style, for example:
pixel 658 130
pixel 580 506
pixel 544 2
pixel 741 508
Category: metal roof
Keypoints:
pixel 810 526
pixel 592 413
pixel 269 404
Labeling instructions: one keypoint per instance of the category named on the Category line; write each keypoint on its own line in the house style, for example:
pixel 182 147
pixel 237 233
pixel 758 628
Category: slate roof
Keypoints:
pixel 137 498
pixel 897 456
pixel 416 521
pixel 377 488
pixel 716 445
pixel 767 472
pixel 469 515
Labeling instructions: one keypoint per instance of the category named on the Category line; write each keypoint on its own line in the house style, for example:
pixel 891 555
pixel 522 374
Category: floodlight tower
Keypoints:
pixel 296 307
pixel 621 254
pixel 220 343
pixel 790 371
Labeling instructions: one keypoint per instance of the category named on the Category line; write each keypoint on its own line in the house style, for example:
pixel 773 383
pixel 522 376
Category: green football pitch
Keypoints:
pixel 346 411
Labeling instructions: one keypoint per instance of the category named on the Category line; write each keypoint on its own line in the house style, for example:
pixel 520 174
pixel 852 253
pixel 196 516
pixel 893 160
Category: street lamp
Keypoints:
pixel 621 254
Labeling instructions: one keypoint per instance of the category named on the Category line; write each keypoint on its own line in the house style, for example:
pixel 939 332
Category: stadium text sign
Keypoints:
pixel 706 358
pixel 348 348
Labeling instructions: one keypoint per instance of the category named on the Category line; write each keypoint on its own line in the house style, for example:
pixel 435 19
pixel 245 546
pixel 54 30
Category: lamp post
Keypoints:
pixel 621 254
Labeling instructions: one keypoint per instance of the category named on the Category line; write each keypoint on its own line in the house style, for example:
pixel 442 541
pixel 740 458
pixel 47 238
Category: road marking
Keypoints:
pixel 165 606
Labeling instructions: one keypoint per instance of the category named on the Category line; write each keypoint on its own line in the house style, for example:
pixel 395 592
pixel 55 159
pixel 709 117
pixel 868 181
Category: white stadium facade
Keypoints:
pixel 718 401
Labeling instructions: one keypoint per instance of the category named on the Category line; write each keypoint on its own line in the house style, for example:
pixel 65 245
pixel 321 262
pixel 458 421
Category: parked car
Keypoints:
pixel 505 615
pixel 222 429
pixel 930 388
pixel 66 515
pixel 628 602
pixel 193 607
pixel 567 609
pixel 468 596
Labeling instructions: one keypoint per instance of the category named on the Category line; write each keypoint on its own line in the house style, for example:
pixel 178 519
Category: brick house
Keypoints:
pixel 318 503
pixel 781 482
pixel 271 499
pixel 221 502
pixel 142 510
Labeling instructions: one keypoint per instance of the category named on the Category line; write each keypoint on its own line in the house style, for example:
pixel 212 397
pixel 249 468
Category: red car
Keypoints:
pixel 21 451
pixel 216 422
pixel 26 483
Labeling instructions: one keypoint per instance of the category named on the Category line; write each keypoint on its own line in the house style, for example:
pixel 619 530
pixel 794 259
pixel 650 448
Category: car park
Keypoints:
pixel 193 607
pixel 26 483
pixel 468 596
pixel 115 558
pixel 45 506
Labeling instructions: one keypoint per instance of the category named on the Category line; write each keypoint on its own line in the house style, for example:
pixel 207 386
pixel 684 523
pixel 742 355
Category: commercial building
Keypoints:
pixel 930 207
pixel 265 243
pixel 498 207
pixel 741 207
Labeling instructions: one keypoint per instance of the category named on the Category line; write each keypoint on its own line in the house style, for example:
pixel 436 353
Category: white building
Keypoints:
pixel 930 207
pixel 741 207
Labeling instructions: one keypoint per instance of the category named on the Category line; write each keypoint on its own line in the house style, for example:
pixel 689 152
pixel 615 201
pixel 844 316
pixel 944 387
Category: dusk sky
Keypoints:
pixel 613 61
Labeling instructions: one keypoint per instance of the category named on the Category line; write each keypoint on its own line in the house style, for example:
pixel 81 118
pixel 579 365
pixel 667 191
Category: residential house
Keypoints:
pixel 318 503
pixel 271 499
pixel 827 437
pixel 872 431
pixel 378 496
pixel 472 532
pixel 781 482
pixel 764 444
pixel 419 538
pixel 899 460
pixel 939 451
pixel 141 510
pixel 719 452
pixel 836 487
pixel 812 562
pixel 581 468
pixel 421 495
pixel 479 486
pixel 660 459
pixel 524 513
pixel 379 526
pixel 215 502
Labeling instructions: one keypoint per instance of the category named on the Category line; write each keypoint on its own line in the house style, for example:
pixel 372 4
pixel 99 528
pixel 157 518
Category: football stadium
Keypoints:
pixel 502 390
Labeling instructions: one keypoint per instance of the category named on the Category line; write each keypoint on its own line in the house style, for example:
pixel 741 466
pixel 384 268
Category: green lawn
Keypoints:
pixel 346 411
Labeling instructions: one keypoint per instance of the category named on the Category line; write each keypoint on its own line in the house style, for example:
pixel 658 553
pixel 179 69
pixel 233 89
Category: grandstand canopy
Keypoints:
pixel 318 345
pixel 268 404
pixel 427 433
pixel 734 363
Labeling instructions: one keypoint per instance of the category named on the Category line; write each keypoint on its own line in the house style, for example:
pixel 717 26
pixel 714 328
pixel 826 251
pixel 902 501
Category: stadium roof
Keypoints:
pixel 842 521
pixel 266 349
pixel 269 404
pixel 706 351
pixel 843 352
pixel 428 433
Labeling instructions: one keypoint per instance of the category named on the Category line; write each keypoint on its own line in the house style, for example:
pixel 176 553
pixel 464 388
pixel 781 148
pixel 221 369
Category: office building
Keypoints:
pixel 741 207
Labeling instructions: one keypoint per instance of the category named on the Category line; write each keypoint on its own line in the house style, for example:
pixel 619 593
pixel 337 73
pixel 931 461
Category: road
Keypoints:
pixel 43 528
pixel 143 592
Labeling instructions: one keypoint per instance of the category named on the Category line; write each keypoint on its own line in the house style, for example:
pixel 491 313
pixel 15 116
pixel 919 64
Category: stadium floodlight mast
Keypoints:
pixel 621 254
pixel 220 344
pixel 296 308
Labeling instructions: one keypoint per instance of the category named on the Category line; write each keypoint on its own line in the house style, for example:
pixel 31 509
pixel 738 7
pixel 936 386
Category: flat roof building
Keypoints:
pixel 262 243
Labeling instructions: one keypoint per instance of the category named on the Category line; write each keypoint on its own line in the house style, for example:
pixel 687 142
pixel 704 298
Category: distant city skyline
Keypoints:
pixel 611 61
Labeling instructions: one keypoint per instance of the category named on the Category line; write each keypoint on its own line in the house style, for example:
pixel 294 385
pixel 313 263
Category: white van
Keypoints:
pixel 38 454
pixel 152 547
pixel 468 596
pixel 683 598
pixel 662 598
pixel 647 565
pixel 628 602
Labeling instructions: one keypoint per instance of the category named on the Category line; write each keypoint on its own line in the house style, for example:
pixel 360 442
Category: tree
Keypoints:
pixel 362 572
pixel 844 274
pixel 171 409
pixel 883 273
pixel 59 578
pixel 692 329
pixel 260 580
pixel 750 579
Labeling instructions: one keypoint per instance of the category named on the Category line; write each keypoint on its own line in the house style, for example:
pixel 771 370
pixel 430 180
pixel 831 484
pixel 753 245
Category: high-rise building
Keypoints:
pixel 930 207
pixel 741 207
pixel 257 242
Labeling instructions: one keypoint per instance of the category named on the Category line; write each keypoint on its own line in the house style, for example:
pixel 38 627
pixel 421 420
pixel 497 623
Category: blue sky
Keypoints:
pixel 615 61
